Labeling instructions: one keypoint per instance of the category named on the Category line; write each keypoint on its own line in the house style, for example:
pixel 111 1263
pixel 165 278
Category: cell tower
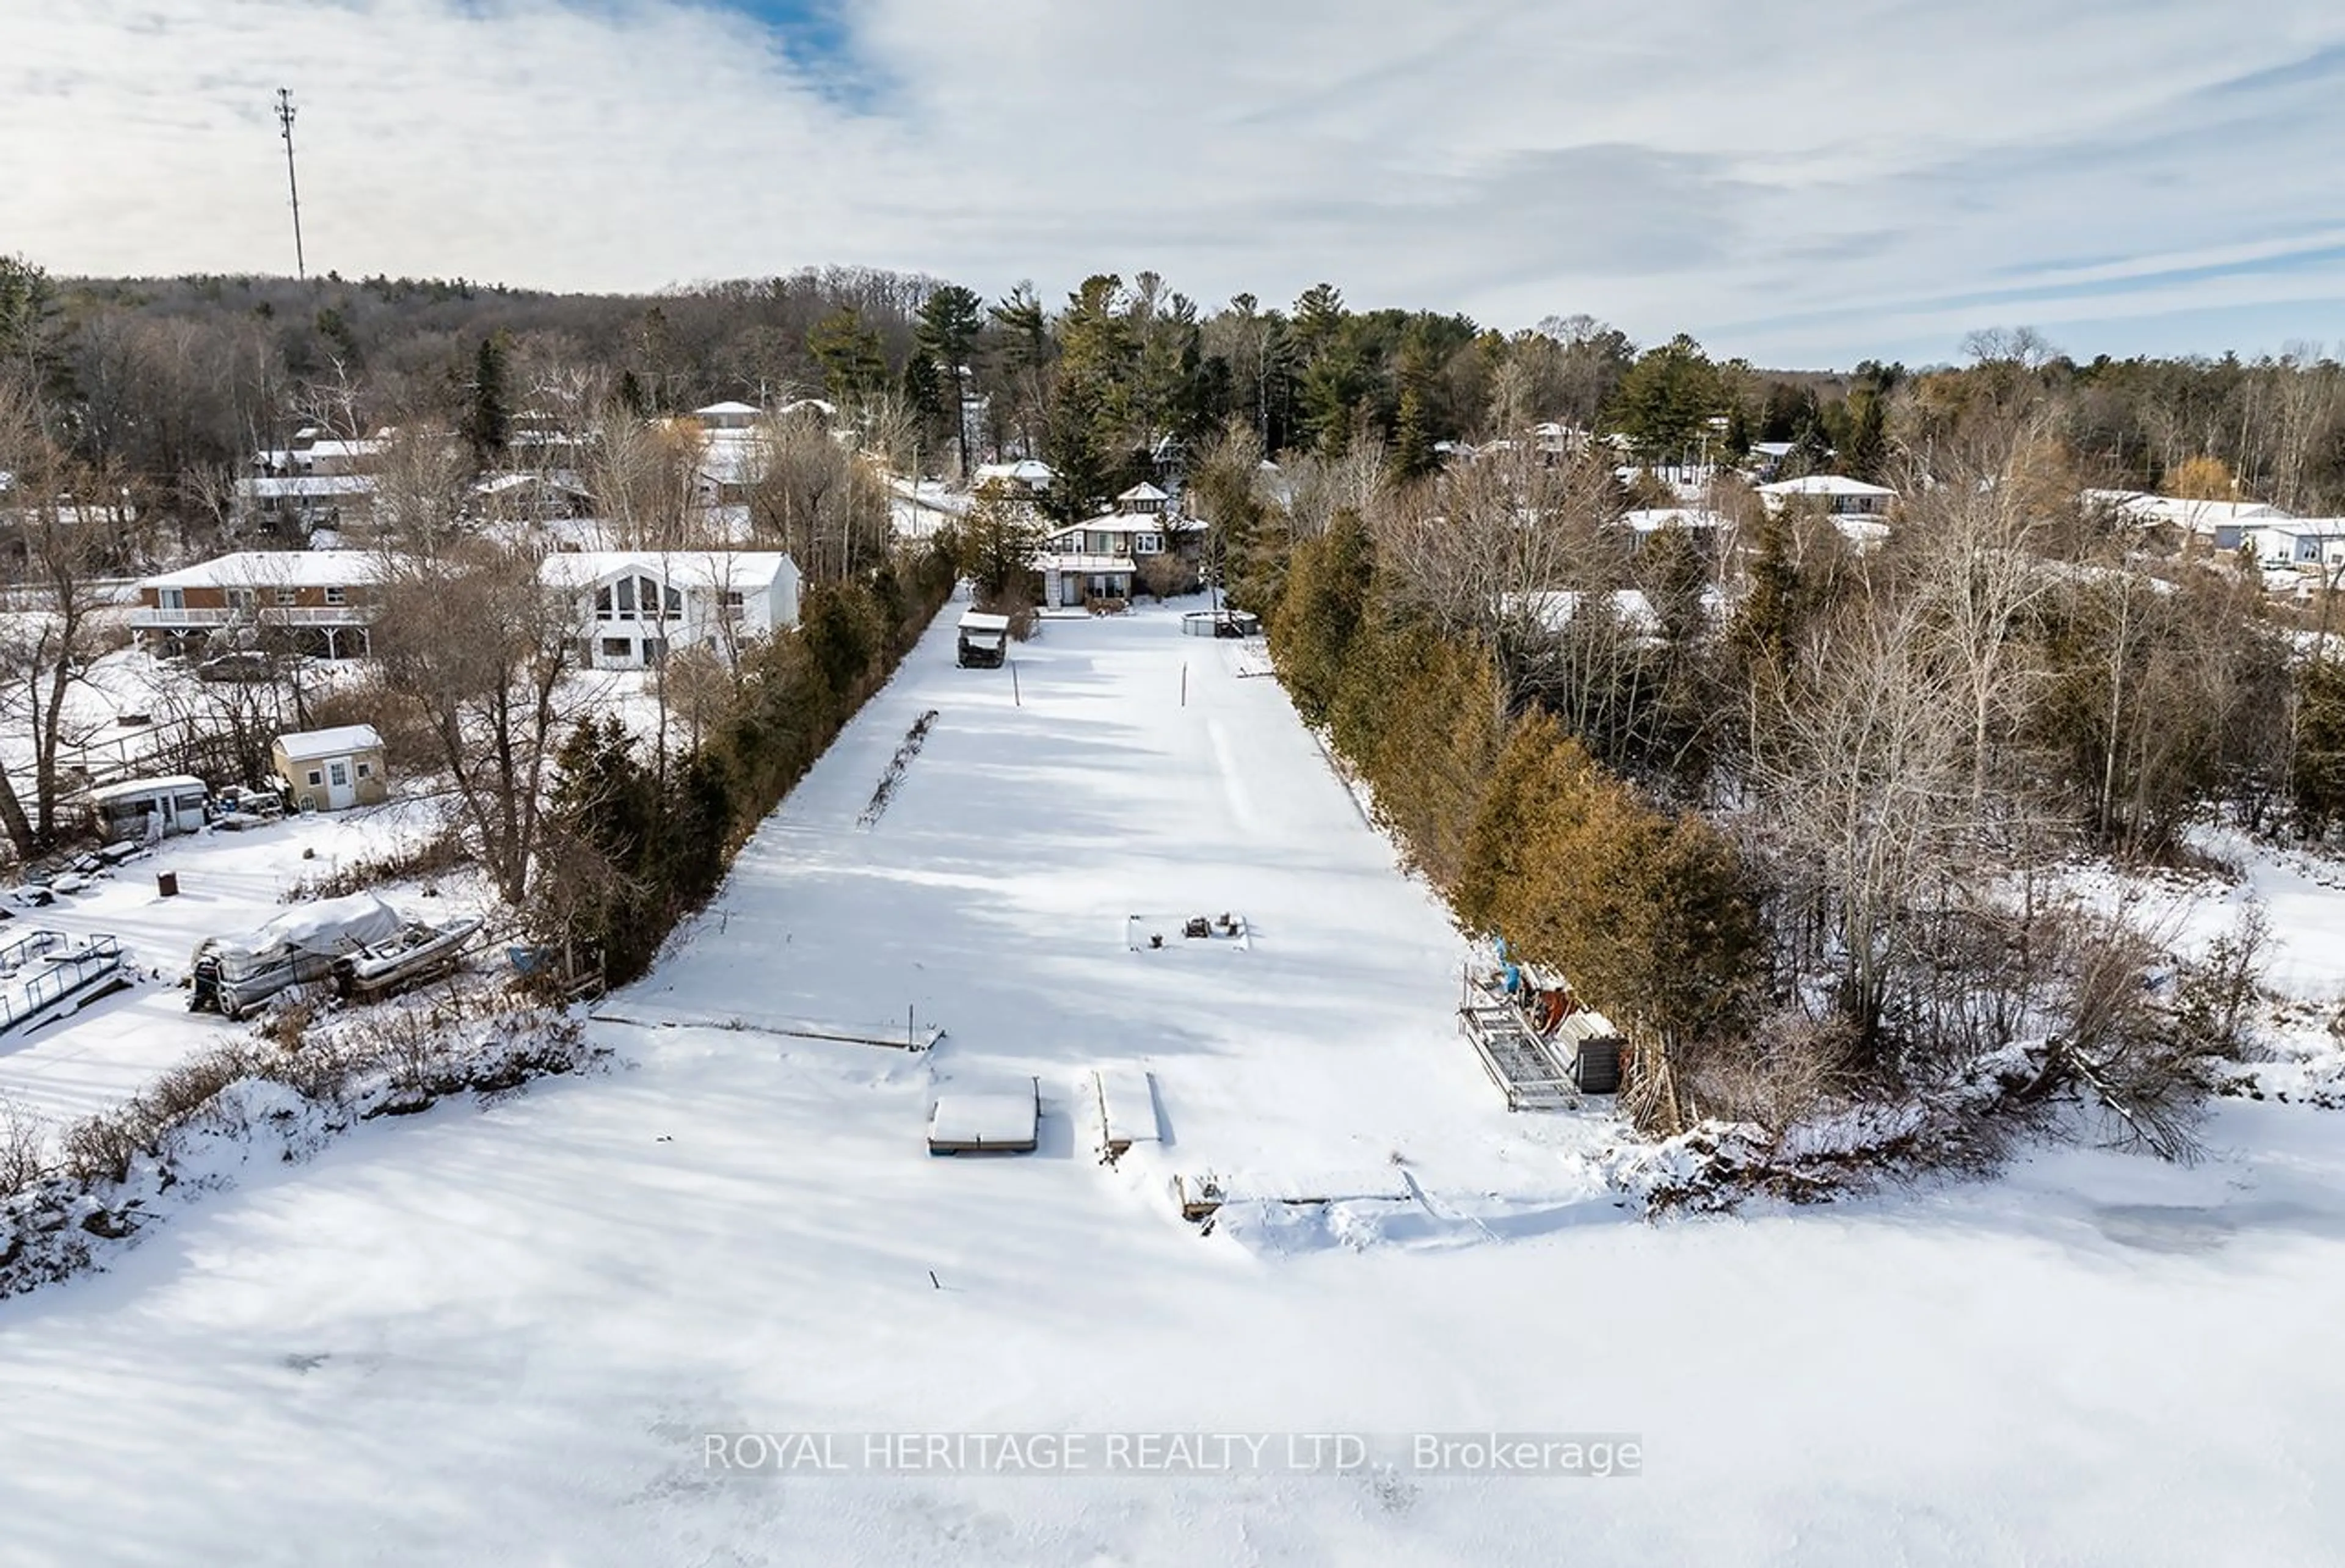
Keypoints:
pixel 285 112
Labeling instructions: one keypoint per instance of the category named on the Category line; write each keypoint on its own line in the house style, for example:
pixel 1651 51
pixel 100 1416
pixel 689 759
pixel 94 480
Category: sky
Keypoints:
pixel 1798 184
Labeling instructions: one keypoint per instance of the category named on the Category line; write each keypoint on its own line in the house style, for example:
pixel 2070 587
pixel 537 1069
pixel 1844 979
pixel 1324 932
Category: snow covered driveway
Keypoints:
pixel 505 1336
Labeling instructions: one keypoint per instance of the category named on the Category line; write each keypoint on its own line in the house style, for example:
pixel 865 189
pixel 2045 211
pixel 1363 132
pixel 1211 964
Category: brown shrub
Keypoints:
pixel 409 745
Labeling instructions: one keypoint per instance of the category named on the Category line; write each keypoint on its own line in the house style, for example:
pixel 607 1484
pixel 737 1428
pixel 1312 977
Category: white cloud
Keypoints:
pixel 1872 178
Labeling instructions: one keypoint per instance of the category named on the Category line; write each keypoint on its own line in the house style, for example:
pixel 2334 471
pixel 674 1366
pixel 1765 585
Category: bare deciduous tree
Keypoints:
pixel 477 641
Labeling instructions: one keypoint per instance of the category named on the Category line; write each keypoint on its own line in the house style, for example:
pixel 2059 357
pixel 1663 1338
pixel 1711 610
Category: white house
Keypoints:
pixel 1840 496
pixel 1100 558
pixel 2225 524
pixel 635 605
pixel 1026 479
pixel 1699 522
pixel 728 416
pixel 305 501
pixel 2297 541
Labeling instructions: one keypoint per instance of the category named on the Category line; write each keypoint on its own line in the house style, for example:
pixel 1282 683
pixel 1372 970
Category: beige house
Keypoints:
pixel 332 770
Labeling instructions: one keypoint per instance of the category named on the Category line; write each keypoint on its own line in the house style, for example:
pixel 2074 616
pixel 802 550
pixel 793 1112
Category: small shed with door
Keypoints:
pixel 333 770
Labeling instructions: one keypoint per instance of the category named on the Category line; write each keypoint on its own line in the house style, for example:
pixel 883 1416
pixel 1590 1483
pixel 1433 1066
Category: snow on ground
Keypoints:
pixel 229 883
pixel 502 1336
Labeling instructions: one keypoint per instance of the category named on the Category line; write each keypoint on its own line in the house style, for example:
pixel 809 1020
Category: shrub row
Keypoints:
pixel 639 837
pixel 1651 915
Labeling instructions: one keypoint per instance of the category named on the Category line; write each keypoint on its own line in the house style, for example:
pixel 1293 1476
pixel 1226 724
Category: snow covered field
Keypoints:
pixel 503 1336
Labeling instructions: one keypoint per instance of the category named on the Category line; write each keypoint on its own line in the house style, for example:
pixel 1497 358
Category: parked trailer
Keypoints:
pixel 232 975
pixel 984 640
pixel 137 809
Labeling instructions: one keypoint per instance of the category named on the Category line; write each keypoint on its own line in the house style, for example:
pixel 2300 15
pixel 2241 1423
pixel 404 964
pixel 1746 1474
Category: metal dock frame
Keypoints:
pixel 1517 1060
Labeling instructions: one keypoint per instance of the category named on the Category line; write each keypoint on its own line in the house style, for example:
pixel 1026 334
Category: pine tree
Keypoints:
pixel 1868 437
pixel 1412 455
pixel 488 415
pixel 947 332
pixel 854 364
pixel 923 393
pixel 995 545
pixel 1089 426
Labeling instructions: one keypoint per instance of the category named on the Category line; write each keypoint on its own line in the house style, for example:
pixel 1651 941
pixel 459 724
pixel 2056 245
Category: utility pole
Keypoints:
pixel 285 112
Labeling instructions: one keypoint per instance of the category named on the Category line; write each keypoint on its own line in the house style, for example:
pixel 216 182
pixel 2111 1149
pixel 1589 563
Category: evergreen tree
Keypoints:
pixel 995 544
pixel 1664 404
pixel 1412 453
pixel 923 394
pixel 2316 778
pixel 1772 612
pixel 946 334
pixel 854 364
pixel 1087 433
pixel 488 412
pixel 1867 448
pixel 1321 613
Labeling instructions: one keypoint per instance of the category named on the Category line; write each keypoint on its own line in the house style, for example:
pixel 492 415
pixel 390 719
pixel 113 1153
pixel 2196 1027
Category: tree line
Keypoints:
pixel 1805 819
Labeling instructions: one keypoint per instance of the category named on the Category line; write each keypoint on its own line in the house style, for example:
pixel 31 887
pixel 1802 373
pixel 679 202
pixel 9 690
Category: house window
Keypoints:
pixel 240 599
pixel 287 595
pixel 316 778
pixel 625 598
pixel 366 770
pixel 675 602
pixel 172 598
pixel 737 604
pixel 655 649
pixel 617 648
pixel 1147 544
pixel 336 596
pixel 340 772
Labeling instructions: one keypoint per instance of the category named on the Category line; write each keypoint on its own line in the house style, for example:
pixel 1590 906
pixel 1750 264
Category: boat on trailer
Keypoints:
pixel 418 952
pixel 232 975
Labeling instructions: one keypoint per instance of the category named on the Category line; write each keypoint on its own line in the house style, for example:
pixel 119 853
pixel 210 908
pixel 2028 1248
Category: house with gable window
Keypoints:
pixel 1103 559
pixel 634 606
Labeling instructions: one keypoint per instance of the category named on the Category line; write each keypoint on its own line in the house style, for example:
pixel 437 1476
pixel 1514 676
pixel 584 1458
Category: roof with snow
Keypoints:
pixel 732 456
pixel 2199 516
pixel 275 569
pixel 1555 609
pixel 1143 492
pixel 312 745
pixel 1824 485
pixel 728 570
pixel 131 789
pixel 1654 520
pixel 729 410
pixel 298 486
pixel 2302 527
pixel 1025 471
pixel 504 483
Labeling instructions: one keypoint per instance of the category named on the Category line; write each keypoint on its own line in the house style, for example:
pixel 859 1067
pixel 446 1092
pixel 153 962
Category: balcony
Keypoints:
pixel 149 618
